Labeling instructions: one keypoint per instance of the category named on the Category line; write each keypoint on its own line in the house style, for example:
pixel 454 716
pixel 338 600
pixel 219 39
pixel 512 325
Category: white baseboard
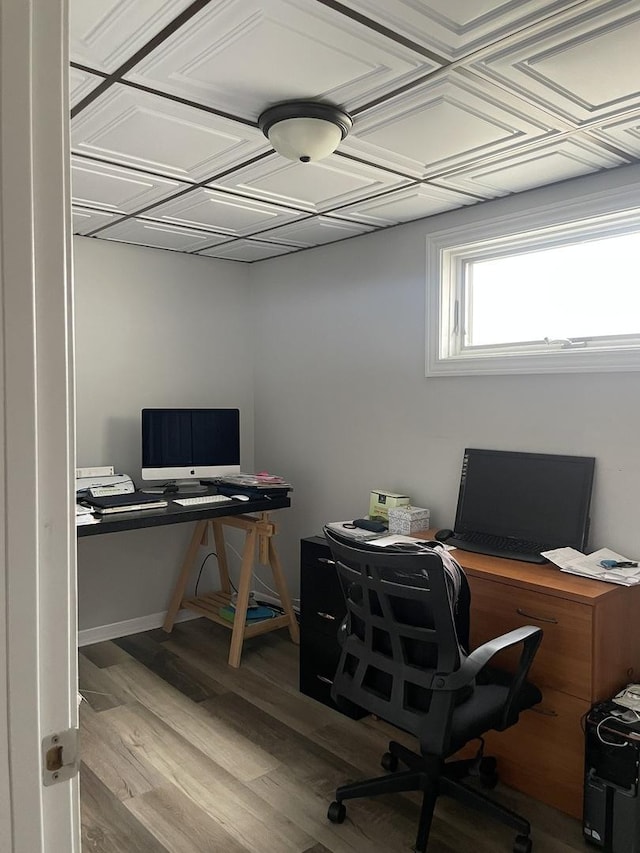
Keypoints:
pixel 129 626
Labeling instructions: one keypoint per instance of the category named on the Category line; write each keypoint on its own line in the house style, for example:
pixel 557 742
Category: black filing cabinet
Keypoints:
pixel 322 609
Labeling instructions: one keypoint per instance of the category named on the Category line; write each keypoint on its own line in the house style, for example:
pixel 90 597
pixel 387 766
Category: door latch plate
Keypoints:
pixel 60 756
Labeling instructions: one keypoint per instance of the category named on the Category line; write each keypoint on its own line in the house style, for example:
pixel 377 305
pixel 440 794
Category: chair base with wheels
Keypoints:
pixel 434 778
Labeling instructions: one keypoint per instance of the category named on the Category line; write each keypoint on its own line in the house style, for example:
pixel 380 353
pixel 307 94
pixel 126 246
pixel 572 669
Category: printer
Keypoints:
pixel 104 484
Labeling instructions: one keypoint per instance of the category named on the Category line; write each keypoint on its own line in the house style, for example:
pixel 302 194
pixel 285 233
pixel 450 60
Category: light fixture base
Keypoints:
pixel 305 130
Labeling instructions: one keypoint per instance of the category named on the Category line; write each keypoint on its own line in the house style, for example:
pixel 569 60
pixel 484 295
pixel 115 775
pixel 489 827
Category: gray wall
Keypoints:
pixel 153 328
pixel 343 406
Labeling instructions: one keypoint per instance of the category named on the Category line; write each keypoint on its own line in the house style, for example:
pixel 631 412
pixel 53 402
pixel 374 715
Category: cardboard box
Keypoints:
pixel 381 502
pixel 408 519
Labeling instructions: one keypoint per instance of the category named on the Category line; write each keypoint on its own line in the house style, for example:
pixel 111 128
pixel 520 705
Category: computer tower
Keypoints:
pixel 611 817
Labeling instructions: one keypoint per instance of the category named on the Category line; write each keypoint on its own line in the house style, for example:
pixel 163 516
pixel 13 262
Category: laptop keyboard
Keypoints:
pixel 500 546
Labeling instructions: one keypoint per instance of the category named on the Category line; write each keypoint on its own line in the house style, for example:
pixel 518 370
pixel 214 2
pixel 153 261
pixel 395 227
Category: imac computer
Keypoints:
pixel 183 446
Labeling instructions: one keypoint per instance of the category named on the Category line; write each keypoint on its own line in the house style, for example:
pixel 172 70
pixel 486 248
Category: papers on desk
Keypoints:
pixel 84 516
pixel 86 519
pixel 401 539
pixel 588 566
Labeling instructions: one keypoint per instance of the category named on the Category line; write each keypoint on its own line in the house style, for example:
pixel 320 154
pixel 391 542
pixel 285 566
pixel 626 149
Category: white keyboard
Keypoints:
pixel 201 500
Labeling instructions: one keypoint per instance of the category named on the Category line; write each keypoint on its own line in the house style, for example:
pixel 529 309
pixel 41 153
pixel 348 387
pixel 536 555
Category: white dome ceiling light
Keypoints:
pixel 305 130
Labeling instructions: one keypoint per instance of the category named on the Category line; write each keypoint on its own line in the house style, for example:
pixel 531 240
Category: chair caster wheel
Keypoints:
pixel 489 780
pixel 488 765
pixel 337 812
pixel 522 844
pixel 389 762
pixel 488 772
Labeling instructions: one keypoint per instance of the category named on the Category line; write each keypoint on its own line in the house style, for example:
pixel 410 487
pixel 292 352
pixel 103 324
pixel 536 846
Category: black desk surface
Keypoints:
pixel 176 514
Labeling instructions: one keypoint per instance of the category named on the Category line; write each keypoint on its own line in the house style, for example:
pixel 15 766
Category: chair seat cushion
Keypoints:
pixel 484 708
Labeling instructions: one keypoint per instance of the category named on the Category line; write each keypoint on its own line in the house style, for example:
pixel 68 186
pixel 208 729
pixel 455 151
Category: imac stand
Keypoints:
pixel 177 487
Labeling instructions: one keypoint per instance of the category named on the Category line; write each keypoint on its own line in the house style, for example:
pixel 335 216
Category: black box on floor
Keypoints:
pixel 611 817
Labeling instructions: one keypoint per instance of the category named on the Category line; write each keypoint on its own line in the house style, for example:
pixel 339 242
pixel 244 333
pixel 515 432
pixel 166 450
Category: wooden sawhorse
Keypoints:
pixel 259 532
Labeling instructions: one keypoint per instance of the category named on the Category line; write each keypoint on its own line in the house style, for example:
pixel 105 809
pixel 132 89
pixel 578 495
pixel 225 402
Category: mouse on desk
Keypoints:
pixel 444 534
pixel 241 497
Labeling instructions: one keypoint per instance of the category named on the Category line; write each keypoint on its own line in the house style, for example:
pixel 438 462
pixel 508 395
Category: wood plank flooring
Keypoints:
pixel 183 754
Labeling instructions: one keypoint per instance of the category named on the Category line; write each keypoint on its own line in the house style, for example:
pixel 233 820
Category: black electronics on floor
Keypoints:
pixel 322 609
pixel 611 819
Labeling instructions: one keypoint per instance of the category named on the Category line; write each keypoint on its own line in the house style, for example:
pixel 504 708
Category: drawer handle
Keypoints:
pixel 546 712
pixel 537 618
pixel 323 679
pixel 327 616
pixel 327 561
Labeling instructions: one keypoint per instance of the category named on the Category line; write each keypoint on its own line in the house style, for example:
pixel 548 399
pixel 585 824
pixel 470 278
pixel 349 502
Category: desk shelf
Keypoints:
pixel 209 604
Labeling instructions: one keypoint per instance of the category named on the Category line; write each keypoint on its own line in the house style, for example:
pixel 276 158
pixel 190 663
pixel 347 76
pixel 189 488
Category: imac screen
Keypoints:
pixel 190 443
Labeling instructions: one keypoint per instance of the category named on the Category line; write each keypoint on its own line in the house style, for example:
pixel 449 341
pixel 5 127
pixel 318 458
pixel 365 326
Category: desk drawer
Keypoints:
pixel 319 656
pixel 543 754
pixel 322 606
pixel 564 659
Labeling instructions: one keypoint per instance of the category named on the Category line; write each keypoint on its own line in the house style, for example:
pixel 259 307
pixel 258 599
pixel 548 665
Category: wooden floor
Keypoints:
pixel 182 754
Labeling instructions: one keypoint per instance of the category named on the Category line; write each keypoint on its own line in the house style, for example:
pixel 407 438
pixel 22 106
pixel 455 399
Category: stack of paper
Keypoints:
pixel 588 566
pixel 257 481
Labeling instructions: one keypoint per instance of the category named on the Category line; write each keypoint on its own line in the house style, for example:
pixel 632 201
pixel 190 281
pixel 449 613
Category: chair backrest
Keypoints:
pixel 399 632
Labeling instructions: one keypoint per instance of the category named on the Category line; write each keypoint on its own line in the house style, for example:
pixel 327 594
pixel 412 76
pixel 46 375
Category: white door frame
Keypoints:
pixel 38 674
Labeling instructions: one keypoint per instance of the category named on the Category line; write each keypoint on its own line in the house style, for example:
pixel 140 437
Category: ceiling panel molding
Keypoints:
pixel 117 189
pixel 446 123
pixel 87 219
pixel 160 235
pixel 456 28
pixel 142 130
pixel 556 161
pixel 223 212
pixel 581 72
pixel 220 58
pixel 80 84
pixel 105 33
pixel 416 202
pixel 317 230
pixel 247 250
pixel 624 133
pixel 314 187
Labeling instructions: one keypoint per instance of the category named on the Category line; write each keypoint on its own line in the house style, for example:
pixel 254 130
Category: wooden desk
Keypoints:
pixel 259 534
pixel 590 649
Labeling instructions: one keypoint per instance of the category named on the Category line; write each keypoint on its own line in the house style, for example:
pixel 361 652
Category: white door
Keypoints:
pixel 37 529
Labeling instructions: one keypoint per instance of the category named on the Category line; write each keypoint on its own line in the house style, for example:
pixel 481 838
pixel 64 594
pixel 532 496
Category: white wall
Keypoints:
pixel 153 328
pixel 342 404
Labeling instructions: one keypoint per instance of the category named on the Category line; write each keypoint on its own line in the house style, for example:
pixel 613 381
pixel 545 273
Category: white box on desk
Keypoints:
pixel 408 519
pixel 381 502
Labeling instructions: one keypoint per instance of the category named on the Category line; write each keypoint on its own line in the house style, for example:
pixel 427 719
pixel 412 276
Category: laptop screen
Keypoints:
pixel 534 496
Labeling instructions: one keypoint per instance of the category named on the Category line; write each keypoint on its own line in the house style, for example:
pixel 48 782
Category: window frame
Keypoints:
pixel 603 214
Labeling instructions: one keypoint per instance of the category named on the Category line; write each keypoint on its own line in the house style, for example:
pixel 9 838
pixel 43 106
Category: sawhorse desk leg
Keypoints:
pixel 258 532
pixel 199 538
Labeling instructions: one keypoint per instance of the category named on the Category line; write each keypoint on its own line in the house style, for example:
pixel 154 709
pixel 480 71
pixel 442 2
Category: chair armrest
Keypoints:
pixel 478 659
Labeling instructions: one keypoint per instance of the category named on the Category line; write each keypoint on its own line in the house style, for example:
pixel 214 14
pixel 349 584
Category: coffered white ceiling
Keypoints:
pixel 453 102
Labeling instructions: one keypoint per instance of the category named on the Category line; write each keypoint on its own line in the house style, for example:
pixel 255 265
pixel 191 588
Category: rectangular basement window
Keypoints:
pixel 559 298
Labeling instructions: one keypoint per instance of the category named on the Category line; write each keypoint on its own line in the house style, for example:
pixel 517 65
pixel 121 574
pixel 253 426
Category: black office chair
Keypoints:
pixel 402 661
